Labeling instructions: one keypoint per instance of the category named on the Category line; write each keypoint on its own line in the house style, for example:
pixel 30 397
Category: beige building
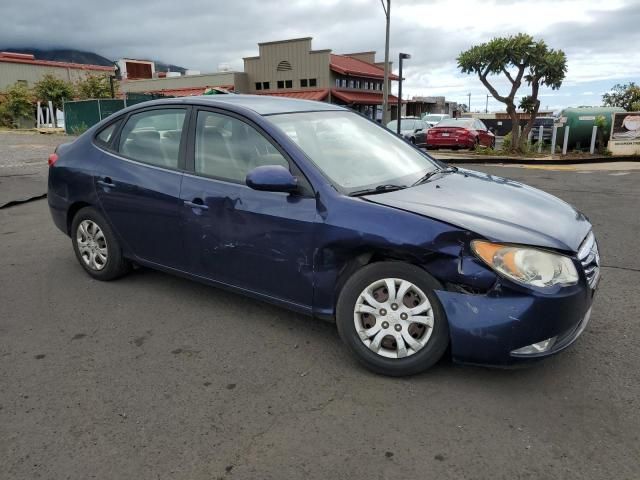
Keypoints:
pixel 24 68
pixel 287 68
pixel 291 68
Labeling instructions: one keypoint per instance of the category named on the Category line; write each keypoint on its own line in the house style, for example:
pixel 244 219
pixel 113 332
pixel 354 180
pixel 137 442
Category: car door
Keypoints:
pixel 138 183
pixel 421 135
pixel 483 133
pixel 255 240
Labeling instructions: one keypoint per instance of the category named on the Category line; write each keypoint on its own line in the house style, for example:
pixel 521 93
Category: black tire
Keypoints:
pixel 493 144
pixel 116 265
pixel 476 144
pixel 412 140
pixel 419 361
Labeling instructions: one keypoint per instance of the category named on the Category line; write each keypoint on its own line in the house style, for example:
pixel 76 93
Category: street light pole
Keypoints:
pixel 385 86
pixel 401 57
pixel 486 107
pixel 469 105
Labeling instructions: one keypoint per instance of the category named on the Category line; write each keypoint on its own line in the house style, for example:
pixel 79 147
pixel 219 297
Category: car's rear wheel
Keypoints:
pixel 391 320
pixel 96 247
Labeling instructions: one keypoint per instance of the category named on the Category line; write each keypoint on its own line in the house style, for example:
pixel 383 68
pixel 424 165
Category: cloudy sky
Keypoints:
pixel 601 38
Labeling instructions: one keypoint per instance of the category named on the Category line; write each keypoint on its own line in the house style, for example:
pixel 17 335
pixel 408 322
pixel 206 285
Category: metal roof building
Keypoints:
pixel 25 68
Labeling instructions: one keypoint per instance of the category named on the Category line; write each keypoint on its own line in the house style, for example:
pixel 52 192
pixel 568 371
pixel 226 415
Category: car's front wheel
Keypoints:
pixel 96 247
pixel 390 318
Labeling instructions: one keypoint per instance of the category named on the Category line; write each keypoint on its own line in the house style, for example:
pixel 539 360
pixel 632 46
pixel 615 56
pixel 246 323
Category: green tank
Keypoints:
pixel 580 121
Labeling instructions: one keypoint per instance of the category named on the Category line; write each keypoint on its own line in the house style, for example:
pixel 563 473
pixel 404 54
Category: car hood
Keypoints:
pixel 496 208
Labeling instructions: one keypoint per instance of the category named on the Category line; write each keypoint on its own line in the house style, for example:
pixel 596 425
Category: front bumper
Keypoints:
pixel 486 329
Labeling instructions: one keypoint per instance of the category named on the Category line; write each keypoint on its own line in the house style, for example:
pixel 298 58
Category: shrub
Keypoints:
pixel 53 89
pixel 506 142
pixel 17 104
pixel 94 86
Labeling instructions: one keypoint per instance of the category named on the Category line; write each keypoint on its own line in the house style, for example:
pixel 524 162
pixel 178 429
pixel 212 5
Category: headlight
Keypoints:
pixel 526 265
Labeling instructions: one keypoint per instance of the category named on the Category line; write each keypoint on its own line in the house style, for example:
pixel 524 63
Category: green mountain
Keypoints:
pixel 79 56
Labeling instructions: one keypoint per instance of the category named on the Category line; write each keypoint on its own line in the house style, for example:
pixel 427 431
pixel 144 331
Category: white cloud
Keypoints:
pixel 600 38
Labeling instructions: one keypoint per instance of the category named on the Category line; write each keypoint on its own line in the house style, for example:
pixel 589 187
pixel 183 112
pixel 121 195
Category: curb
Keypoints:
pixel 535 161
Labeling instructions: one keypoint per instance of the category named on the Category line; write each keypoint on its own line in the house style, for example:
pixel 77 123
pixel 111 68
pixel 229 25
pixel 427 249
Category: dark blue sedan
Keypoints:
pixel 312 207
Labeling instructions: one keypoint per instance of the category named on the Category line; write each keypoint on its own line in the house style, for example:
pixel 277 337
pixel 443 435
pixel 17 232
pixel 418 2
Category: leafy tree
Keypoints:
pixel 94 86
pixel 53 89
pixel 17 103
pixel 520 59
pixel 626 96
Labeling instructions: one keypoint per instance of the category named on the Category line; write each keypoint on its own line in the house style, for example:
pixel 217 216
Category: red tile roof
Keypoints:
pixel 188 91
pixel 317 95
pixel 352 66
pixel 361 98
pixel 29 59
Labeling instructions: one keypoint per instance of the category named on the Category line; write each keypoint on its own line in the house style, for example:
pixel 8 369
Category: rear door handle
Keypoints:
pixel 107 183
pixel 196 203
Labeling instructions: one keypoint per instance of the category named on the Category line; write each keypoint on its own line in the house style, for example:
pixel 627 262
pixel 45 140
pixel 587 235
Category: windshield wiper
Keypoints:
pixel 430 174
pixel 378 189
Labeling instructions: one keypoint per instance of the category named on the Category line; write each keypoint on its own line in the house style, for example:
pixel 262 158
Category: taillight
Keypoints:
pixel 53 158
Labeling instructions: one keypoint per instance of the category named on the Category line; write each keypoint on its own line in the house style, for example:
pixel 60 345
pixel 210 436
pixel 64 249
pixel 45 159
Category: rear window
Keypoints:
pixel 153 137
pixel 455 122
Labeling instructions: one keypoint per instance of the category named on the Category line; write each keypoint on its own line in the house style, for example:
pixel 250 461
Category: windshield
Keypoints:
pixel 353 152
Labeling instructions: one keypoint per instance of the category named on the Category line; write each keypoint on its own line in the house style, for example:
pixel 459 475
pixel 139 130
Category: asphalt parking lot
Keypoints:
pixel 154 376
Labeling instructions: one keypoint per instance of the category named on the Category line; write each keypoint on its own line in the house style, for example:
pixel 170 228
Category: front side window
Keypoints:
pixel 354 153
pixel 153 137
pixel 227 148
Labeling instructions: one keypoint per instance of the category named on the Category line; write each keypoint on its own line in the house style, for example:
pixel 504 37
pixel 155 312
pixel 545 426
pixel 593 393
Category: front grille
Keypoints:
pixel 589 257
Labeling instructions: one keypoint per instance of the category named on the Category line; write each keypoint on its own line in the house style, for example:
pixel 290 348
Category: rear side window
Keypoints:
pixel 153 137
pixel 228 148
pixel 105 136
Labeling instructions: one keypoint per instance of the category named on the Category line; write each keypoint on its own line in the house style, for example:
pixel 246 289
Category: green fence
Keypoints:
pixel 83 114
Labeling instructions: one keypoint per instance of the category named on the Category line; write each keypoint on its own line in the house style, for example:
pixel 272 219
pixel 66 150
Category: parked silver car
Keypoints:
pixel 412 129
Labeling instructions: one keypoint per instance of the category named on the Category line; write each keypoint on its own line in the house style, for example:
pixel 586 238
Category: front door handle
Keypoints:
pixel 196 203
pixel 107 183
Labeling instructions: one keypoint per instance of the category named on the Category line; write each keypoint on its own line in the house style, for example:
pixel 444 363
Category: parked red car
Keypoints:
pixel 460 133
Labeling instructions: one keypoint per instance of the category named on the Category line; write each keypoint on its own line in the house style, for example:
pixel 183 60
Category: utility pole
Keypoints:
pixel 486 107
pixel 469 104
pixel 401 57
pixel 385 86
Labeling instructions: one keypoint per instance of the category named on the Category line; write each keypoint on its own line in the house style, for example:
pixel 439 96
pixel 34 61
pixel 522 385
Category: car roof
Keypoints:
pixel 260 104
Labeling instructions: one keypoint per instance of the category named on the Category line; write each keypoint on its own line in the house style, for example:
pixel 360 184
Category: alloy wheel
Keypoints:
pixel 393 318
pixel 92 245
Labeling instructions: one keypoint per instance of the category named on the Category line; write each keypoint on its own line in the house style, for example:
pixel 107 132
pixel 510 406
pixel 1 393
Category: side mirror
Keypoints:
pixel 272 178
